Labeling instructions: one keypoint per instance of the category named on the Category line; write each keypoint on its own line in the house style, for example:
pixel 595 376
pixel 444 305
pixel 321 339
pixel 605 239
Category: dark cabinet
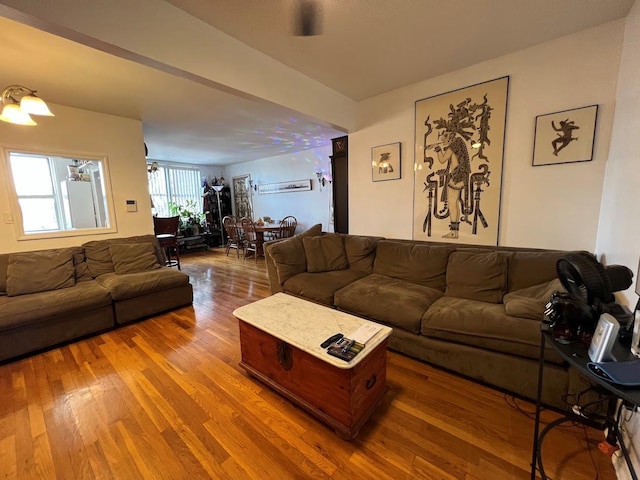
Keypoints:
pixel 340 176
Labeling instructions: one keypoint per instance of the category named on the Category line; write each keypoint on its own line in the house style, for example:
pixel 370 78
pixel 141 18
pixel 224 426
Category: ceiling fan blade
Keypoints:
pixel 308 18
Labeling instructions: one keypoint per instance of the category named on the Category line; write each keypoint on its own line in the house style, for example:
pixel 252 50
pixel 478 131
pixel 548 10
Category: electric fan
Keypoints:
pixel 590 286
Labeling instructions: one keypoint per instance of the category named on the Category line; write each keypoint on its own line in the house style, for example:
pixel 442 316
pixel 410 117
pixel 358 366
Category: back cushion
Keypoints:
pixel 477 276
pixel 325 253
pixel 98 255
pixel 532 268
pixel 41 271
pixel 288 257
pixel 82 273
pixel 417 263
pixel 361 252
pixel 133 258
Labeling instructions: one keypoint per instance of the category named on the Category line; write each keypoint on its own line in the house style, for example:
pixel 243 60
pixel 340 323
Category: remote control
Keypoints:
pixel 331 339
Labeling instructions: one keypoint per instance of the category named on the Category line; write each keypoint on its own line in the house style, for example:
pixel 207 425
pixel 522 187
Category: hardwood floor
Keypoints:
pixel 165 398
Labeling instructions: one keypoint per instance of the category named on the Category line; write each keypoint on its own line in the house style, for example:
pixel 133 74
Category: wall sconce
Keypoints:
pixel 152 167
pixel 322 179
pixel 19 103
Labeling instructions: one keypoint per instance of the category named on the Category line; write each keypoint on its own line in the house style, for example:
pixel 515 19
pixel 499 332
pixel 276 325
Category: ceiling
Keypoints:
pixel 367 47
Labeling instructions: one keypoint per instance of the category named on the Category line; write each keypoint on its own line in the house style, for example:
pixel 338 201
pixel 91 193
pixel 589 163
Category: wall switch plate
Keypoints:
pixel 132 206
pixel 8 217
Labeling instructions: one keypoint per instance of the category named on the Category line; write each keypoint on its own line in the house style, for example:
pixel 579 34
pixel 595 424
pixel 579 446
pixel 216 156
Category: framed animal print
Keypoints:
pixel 565 137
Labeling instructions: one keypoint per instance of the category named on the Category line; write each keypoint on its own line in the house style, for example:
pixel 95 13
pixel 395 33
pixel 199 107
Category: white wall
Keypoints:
pixel 74 131
pixel 619 229
pixel 548 207
pixel 308 207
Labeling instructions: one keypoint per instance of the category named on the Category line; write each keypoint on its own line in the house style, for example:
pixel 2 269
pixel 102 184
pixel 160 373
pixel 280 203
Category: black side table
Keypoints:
pixel 576 354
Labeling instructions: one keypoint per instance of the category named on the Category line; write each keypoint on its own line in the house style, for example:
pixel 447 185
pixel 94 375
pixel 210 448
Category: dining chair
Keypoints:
pixel 288 227
pixel 250 238
pixel 234 239
pixel 166 231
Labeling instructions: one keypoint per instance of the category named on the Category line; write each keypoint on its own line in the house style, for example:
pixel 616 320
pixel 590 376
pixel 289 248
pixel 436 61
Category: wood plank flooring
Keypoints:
pixel 164 398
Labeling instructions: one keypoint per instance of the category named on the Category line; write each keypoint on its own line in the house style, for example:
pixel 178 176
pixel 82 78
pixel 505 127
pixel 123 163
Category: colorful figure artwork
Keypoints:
pixel 458 169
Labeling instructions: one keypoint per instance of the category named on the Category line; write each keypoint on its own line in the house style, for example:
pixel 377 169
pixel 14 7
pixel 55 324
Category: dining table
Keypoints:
pixel 260 231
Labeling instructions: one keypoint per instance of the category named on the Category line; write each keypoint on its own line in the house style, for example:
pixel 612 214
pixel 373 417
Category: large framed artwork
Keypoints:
pixel 242 196
pixel 565 137
pixel 458 164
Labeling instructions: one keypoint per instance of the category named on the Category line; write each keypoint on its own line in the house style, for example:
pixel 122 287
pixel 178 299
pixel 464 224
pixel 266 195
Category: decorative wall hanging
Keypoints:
pixel 458 164
pixel 385 162
pixel 565 137
pixel 242 196
pixel 283 187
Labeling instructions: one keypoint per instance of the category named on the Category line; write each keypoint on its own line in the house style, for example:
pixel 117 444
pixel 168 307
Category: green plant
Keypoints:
pixel 188 213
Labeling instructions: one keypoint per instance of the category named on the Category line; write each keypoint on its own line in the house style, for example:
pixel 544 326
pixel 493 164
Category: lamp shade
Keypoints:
pixel 13 114
pixel 35 106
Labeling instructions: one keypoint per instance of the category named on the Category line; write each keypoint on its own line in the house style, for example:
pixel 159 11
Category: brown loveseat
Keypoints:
pixel 475 310
pixel 49 297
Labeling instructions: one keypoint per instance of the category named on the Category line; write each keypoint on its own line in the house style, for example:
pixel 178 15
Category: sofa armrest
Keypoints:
pixel 272 272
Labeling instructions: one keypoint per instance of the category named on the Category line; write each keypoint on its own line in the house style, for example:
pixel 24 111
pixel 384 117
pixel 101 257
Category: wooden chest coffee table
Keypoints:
pixel 280 338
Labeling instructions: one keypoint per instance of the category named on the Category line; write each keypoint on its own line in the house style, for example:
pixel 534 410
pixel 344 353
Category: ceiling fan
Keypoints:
pixel 308 18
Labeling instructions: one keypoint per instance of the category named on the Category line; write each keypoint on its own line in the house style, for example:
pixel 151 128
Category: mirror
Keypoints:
pixel 58 195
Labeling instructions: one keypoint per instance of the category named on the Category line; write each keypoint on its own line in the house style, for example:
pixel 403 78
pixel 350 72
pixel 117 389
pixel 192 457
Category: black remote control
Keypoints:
pixel 331 339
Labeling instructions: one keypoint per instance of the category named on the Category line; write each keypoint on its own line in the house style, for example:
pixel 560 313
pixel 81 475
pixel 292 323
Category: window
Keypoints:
pixel 36 194
pixel 174 185
pixel 58 196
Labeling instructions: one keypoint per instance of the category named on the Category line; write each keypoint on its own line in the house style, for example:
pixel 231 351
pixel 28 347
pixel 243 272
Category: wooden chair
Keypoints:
pixel 234 239
pixel 250 238
pixel 166 231
pixel 287 227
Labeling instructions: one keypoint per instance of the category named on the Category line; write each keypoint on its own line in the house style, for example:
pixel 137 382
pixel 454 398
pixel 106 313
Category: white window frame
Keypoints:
pixel 16 211
pixel 163 189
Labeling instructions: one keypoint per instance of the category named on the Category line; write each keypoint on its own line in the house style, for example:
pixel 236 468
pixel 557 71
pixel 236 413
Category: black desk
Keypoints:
pixel 576 354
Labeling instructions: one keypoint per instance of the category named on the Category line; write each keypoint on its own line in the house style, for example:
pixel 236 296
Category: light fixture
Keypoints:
pixel 19 102
pixel 322 179
pixel 152 167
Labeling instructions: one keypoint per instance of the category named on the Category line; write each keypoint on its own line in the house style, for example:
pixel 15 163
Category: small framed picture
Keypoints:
pixel 565 137
pixel 385 162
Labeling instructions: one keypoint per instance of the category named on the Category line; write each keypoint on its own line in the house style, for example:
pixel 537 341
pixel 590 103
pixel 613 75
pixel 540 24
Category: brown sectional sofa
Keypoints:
pixel 48 297
pixel 475 310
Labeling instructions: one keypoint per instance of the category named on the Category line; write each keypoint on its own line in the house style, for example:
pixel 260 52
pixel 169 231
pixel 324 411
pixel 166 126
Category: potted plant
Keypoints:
pixel 190 218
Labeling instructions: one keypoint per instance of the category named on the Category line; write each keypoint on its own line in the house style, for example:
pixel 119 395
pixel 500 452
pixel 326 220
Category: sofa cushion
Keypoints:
pixel 484 325
pixel 476 276
pixel 360 251
pixel 422 264
pixel 40 271
pixel 532 268
pixel 80 267
pixel 289 257
pixel 325 253
pixel 98 257
pixel 133 257
pixel 133 285
pixel 98 254
pixel 530 302
pixel 320 287
pixel 313 231
pixel 388 300
pixel 46 306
